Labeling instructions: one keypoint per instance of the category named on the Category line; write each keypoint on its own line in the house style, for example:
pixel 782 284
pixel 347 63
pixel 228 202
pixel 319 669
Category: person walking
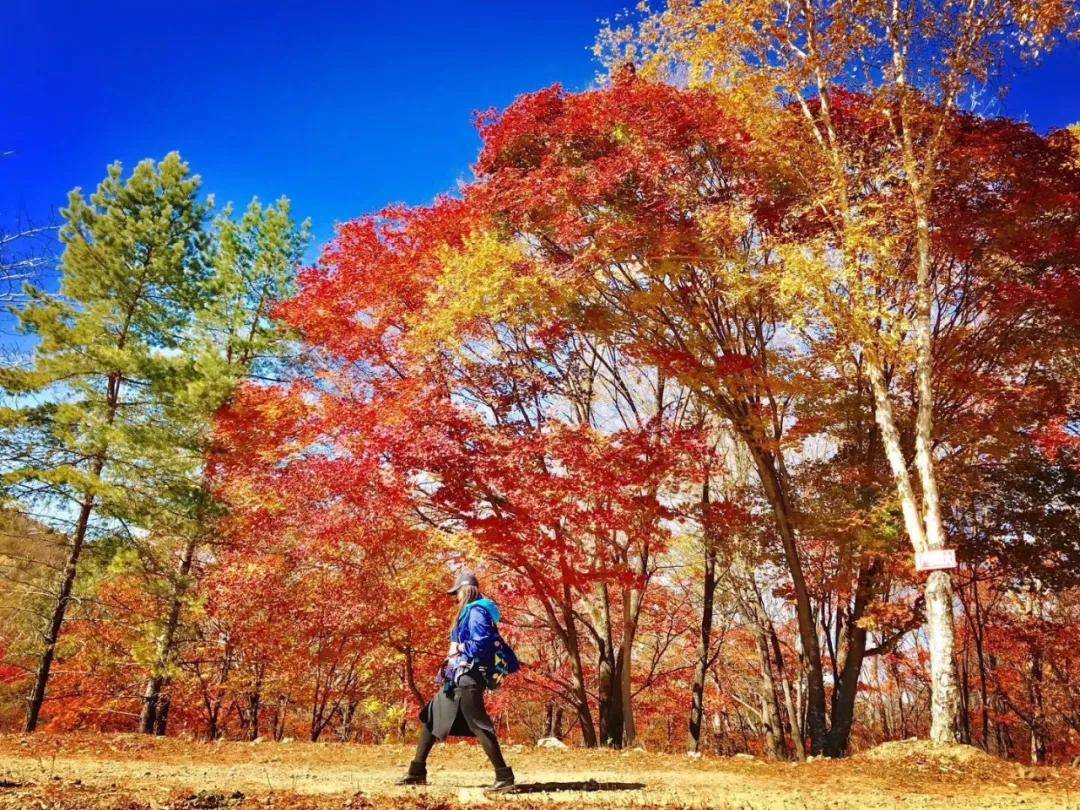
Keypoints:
pixel 457 710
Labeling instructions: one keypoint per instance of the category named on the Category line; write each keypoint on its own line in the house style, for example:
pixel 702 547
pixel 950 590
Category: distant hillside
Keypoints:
pixel 31 556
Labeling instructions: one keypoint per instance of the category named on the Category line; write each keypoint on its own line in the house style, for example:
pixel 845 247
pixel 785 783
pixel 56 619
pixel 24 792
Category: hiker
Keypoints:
pixel 475 661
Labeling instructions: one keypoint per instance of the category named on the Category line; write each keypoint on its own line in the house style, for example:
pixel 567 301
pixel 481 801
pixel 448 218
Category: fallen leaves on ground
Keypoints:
pixel 130 772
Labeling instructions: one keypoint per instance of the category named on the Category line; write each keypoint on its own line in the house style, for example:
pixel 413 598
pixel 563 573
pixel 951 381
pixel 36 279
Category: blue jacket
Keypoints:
pixel 475 630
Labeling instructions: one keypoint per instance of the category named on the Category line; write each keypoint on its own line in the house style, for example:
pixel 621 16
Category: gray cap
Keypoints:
pixel 463 579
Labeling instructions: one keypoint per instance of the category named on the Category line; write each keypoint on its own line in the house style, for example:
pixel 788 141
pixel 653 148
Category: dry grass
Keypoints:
pixel 135 773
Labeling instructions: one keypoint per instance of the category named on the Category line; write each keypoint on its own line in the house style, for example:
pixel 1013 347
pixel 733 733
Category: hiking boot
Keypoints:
pixel 504 780
pixel 417 775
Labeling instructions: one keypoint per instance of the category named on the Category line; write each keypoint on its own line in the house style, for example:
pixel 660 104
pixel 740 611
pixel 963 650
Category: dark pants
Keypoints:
pixel 471 707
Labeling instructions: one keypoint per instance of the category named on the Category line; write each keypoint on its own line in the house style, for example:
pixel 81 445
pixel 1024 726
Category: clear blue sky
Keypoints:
pixel 342 106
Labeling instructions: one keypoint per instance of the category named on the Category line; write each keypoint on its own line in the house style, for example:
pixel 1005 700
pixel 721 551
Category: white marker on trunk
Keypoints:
pixel 935 559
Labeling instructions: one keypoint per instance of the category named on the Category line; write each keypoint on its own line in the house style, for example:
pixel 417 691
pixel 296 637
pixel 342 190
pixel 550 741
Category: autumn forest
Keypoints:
pixel 746 381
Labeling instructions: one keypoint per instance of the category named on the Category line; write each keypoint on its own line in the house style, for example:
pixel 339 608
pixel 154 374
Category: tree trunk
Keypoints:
pixel 609 700
pixel 944 695
pixel 631 601
pixel 347 719
pixel 151 699
pixel 776 493
pixel 581 696
pixel 770 715
pixel 1038 710
pixel 161 721
pixel 254 707
pixel 847 688
pixel 697 688
pixel 790 707
pixel 894 670
pixel 410 676
pixel 894 453
pixel 41 679
pixel 965 700
pixel 164 650
pixel 980 655
pixel 609 707
pixel 280 714
pixel 760 624
pixel 553 721
pixel 213 713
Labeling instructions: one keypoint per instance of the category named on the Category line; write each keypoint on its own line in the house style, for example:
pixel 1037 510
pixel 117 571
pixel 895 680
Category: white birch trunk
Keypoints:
pixel 938 593
pixel 944 693
pixel 890 438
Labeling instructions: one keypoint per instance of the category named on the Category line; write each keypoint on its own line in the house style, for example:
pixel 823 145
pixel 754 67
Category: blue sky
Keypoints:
pixel 342 106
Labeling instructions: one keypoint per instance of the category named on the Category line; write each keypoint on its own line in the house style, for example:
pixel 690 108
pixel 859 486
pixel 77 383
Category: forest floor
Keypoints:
pixel 129 772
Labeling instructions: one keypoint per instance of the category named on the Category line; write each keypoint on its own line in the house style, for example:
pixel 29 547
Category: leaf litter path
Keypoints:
pixel 133 772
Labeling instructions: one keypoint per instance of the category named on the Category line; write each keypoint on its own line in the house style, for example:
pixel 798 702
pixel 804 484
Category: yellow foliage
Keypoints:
pixel 489 279
pixel 1074 131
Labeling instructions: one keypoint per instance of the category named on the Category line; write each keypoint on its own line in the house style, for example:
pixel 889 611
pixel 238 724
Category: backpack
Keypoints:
pixel 504 660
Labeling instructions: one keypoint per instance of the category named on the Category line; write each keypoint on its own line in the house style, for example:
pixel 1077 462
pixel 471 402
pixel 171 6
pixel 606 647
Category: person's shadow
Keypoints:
pixel 563 787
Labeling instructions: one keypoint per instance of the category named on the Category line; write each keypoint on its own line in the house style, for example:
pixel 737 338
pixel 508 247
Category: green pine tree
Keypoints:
pixel 232 337
pixel 83 414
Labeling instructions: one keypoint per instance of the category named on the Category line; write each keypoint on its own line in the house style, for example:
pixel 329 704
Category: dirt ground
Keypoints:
pixel 132 772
